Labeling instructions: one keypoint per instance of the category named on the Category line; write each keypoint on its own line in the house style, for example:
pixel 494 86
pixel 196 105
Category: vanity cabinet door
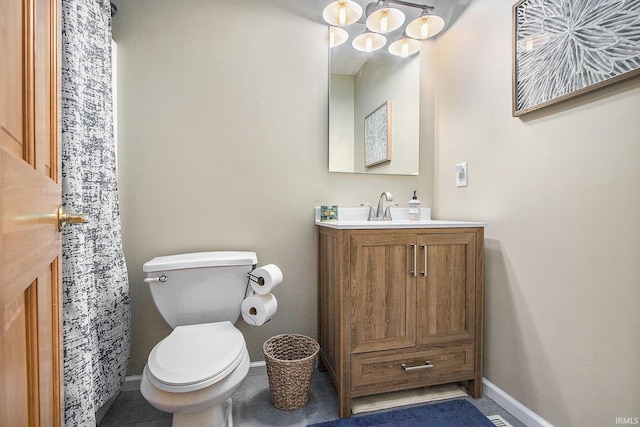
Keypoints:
pixel 446 290
pixel 383 291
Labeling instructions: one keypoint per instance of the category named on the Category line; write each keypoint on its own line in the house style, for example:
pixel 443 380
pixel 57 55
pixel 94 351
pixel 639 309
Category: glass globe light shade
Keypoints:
pixel 369 42
pixel 404 47
pixel 425 26
pixel 342 12
pixel 385 20
pixel 337 36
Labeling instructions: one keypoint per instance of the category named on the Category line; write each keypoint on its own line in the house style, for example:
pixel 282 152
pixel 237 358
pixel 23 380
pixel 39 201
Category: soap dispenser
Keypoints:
pixel 414 207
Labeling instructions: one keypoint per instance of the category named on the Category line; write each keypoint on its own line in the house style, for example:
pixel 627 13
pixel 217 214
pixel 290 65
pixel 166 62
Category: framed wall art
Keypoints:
pixel 377 136
pixel 563 48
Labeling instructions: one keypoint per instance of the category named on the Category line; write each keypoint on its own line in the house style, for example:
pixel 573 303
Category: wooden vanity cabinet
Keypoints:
pixel 400 309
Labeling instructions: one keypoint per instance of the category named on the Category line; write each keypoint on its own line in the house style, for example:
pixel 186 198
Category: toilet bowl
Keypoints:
pixel 193 372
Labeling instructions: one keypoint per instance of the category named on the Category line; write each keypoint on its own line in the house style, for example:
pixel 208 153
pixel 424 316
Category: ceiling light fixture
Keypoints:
pixel 342 12
pixel 404 47
pixel 369 41
pixel 426 25
pixel 381 19
pixel 337 36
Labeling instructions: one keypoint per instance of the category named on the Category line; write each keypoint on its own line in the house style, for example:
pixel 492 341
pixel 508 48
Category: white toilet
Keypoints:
pixel 193 372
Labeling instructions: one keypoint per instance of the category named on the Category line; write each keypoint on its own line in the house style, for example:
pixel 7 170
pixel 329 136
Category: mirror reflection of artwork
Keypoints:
pixel 377 136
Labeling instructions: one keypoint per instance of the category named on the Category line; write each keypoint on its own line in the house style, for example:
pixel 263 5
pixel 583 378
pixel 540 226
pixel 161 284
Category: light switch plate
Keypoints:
pixel 461 174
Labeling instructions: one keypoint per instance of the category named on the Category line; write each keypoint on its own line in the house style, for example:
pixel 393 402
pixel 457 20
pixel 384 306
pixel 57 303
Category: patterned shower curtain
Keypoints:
pixel 96 315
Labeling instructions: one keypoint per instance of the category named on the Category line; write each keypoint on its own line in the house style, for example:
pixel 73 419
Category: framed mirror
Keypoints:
pixel 360 83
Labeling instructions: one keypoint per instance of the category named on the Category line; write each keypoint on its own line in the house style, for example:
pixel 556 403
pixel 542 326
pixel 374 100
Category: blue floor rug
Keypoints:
pixel 453 413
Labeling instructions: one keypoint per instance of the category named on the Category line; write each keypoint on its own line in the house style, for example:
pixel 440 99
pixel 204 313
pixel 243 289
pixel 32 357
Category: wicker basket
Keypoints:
pixel 290 361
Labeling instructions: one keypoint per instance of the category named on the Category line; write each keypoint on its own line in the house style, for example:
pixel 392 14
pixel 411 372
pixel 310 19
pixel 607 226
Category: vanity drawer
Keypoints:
pixel 394 370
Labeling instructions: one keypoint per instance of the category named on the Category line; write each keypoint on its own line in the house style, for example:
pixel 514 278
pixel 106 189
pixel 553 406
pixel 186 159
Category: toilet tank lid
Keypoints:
pixel 200 259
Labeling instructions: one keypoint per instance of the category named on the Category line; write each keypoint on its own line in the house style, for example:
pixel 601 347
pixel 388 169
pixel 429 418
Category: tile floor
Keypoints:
pixel 252 408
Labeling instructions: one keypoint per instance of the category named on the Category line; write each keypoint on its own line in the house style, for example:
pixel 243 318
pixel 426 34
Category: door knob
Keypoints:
pixel 65 218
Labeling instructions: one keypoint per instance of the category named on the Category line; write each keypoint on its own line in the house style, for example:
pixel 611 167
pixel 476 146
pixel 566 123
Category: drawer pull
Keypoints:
pixel 427 365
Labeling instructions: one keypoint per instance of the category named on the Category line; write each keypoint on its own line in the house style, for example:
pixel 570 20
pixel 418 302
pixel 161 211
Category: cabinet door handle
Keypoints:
pixel 414 272
pixel 427 365
pixel 424 249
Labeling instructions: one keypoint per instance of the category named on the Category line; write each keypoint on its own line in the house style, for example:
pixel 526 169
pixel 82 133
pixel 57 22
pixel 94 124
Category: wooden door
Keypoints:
pixel 383 291
pixel 446 287
pixel 30 192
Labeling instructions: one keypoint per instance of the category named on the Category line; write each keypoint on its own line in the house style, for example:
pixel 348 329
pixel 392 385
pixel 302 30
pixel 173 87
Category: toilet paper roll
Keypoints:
pixel 266 279
pixel 258 309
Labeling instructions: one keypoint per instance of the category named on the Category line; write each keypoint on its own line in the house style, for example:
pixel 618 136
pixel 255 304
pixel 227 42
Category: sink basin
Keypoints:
pixel 356 218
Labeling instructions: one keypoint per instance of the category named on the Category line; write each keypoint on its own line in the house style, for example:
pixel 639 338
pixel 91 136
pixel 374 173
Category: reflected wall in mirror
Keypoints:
pixel 354 96
pixel 359 83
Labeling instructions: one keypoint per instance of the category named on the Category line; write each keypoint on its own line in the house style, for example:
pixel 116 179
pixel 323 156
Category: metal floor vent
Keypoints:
pixel 498 421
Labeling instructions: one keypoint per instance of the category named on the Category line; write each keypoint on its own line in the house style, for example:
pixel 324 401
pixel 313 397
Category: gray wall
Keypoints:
pixel 560 191
pixel 223 145
pixel 374 84
pixel 341 126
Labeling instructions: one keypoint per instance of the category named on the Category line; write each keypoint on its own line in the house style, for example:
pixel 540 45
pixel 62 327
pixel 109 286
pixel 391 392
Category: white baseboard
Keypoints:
pixel 131 383
pixel 515 408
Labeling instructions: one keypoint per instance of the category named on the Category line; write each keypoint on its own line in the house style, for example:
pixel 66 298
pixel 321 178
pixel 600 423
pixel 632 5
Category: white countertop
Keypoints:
pixel 355 218
pixel 433 223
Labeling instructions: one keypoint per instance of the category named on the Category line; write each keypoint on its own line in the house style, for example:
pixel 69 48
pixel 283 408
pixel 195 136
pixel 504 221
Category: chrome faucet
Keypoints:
pixel 380 211
pixel 380 214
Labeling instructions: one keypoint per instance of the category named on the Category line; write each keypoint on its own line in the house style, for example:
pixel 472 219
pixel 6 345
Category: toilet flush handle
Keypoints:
pixel 162 278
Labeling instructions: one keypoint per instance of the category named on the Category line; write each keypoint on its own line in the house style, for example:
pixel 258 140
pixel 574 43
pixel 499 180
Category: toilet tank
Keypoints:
pixel 199 287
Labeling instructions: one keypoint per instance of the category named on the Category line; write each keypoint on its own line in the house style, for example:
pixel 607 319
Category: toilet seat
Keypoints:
pixel 195 356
